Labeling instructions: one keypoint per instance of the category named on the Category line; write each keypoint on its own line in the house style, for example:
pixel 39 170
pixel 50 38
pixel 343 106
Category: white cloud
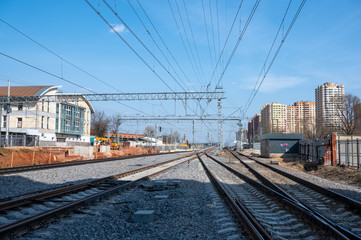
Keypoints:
pixel 275 83
pixel 118 28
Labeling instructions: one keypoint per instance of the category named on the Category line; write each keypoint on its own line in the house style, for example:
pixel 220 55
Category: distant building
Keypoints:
pixel 244 132
pixel 254 128
pixel 274 118
pixel 47 122
pixel 328 104
pixel 305 118
pixel 291 119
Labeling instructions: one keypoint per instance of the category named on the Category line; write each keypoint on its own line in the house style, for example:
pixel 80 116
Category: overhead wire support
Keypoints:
pixel 166 96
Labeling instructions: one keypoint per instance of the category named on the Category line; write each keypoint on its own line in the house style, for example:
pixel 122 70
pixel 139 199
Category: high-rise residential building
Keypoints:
pixel 291 119
pixel 254 128
pixel 328 105
pixel 274 118
pixel 305 118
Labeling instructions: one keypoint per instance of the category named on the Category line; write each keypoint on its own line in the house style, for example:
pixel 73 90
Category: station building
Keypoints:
pixel 49 123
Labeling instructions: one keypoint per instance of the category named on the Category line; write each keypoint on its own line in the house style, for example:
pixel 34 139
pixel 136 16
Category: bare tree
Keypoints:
pixel 115 122
pixel 357 110
pixel 99 123
pixel 346 113
pixel 149 131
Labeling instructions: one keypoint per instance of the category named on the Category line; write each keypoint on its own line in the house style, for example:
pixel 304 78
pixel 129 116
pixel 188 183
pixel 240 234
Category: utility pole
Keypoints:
pixel 156 134
pixel 239 135
pixel 220 128
pixel 193 137
pixel 117 129
pixel 8 110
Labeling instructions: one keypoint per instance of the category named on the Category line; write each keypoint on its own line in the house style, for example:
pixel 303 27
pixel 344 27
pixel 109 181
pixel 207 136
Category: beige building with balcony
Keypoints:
pixel 274 118
pixel 49 121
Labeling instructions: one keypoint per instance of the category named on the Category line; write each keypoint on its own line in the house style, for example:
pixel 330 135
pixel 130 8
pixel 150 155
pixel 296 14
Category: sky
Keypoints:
pixel 323 45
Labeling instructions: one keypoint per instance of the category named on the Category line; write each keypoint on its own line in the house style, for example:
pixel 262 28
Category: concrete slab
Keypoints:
pixel 174 183
pixel 159 184
pixel 143 216
pixel 161 197
pixel 274 162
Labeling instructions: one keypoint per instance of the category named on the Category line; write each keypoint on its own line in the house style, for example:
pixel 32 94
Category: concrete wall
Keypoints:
pixel 83 150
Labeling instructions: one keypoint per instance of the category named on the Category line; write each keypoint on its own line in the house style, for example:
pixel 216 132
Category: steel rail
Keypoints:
pixel 290 202
pixel 28 168
pixel 273 186
pixel 354 204
pixel 23 223
pixel 254 228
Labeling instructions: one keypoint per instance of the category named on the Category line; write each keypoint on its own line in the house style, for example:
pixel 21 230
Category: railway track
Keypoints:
pixel 269 212
pixel 343 213
pixel 29 168
pixel 29 210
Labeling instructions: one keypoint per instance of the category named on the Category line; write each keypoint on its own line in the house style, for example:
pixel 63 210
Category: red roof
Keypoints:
pixel 18 91
pixel 126 135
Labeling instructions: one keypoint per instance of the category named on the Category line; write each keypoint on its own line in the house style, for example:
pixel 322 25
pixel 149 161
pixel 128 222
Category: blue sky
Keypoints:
pixel 323 46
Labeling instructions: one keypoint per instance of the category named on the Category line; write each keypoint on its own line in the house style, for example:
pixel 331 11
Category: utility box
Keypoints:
pixel 279 144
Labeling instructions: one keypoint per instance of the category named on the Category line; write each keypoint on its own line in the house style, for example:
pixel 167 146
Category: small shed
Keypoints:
pixel 279 144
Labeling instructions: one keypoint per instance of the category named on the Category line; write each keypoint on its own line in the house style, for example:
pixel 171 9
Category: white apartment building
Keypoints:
pixel 328 104
pixel 50 121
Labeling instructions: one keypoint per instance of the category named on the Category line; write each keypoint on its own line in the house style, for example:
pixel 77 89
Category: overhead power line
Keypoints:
pixel 160 37
pixel 268 55
pixel 155 42
pixel 61 78
pixel 58 56
pixel 141 42
pixel 62 59
pixel 275 55
pixel 239 40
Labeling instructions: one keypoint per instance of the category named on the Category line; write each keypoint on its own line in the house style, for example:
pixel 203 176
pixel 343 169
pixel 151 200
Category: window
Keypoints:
pixel 4 121
pixel 20 123
pixel 42 105
pixel 48 106
pixel 20 107
pixel 47 123
pixel 42 122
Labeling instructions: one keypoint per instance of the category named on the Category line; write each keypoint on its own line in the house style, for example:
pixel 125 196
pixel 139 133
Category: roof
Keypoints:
pixel 26 90
pixel 126 135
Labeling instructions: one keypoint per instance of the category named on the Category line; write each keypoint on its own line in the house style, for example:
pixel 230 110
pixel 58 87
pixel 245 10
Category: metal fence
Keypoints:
pixel 19 140
pixel 313 149
pixel 349 152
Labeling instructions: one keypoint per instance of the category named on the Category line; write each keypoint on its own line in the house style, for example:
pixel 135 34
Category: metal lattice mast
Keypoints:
pixel 220 128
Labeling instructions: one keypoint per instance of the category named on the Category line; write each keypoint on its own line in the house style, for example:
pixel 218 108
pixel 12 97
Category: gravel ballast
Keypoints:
pixel 20 183
pixel 191 211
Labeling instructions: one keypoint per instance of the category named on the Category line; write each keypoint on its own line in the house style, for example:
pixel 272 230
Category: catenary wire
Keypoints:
pixel 275 55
